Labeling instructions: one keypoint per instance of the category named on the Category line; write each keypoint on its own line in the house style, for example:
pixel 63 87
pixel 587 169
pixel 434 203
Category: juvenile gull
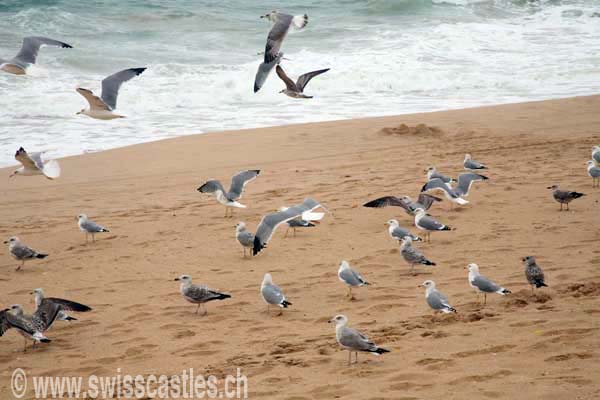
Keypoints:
pixel 398 233
pixel 596 154
pixel 352 340
pixel 31 327
pixel 229 199
pixel 32 164
pixel 432 173
pixel 28 54
pixel 198 294
pixel 272 294
pixel 470 165
pixel 482 284
pixel 436 299
pixel 594 173
pixel 533 273
pixel 411 255
pixel 41 302
pixel 350 277
pixel 270 222
pixel 22 252
pixel 425 201
pixel 244 237
pixel 428 224
pixel 296 90
pixel 564 196
pixel 89 227
pixel 102 107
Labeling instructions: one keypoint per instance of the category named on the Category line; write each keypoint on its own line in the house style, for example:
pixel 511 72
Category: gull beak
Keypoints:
pixel 5 242
pixel 78 112
pixel 330 321
pixel 176 279
pixel 264 16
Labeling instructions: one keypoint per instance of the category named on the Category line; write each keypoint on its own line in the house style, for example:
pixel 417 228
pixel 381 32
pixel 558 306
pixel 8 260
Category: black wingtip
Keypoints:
pixel 446 228
pixel 285 304
pixel 105 230
pixel 506 291
pixel 45 340
pixel 138 71
pixel 427 262
pixel 69 318
pixel 223 296
pixel 381 350
pixel 257 246
pixel 423 188
pixel 540 284
pixel 256 88
pixel 41 255
pixel 483 177
pixel 66 46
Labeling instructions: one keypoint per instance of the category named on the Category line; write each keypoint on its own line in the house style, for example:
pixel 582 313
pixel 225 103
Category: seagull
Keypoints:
pixel 41 303
pixel 282 24
pixel 594 173
pixel 456 194
pixel 198 294
pixel 296 90
pixel 102 107
pixel 89 227
pixel 352 340
pixel 533 273
pixel 21 252
pixel 425 201
pixel 428 224
pixel 31 327
pixel 412 255
pixel 32 164
pixel 398 233
pixel 432 173
pixel 272 294
pixel 229 199
pixel 270 222
pixel 307 220
pixel 470 165
pixel 596 154
pixel 564 196
pixel 436 299
pixel 350 277
pixel 244 237
pixel 27 55
pixel 482 284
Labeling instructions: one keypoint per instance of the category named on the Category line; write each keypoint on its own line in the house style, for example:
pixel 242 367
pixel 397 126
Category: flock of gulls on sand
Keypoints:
pixel 33 327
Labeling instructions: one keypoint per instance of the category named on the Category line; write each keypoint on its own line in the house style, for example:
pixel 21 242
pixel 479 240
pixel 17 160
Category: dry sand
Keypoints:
pixel 519 346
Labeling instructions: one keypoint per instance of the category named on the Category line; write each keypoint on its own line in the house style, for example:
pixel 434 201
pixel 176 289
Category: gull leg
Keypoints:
pixel 567 206
pixel 349 357
pixel 93 237
pixel 24 345
pixel 86 237
pixel 294 230
pixel 205 309
pixel 484 298
pixel 412 269
pixel 197 308
pixel 356 357
pixel 286 231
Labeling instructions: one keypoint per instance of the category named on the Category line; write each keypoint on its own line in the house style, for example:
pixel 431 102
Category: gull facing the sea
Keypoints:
pixel 28 54
pixel 352 340
pixel 89 227
pixel 198 294
pixel 21 252
pixel 482 284
pixel 350 277
pixel 32 164
pixel 296 90
pixel 229 199
pixel 102 107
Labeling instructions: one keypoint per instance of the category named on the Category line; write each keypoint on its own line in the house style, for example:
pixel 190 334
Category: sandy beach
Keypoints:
pixel 542 346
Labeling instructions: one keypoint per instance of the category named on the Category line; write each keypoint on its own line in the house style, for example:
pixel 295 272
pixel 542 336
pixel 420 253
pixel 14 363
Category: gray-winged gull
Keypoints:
pixel 482 284
pixel 596 154
pixel 21 252
pixel 89 227
pixel 296 89
pixel 533 273
pixel 412 255
pixel 352 340
pixel 272 294
pixel 428 224
pixel 435 299
pixel 350 277
pixel 564 196
pixel 33 164
pixel 244 237
pixel 198 294
pixel 230 198
pixel 27 55
pixel 471 165
pixel 397 232
pixel 424 201
pixel 594 173
pixel 65 305
pixel 455 194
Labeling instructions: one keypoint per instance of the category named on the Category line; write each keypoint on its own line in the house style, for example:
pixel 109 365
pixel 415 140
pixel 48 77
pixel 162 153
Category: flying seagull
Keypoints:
pixel 352 340
pixel 412 255
pixel 32 164
pixel 21 252
pixel 564 196
pixel 436 299
pixel 31 327
pixel 428 224
pixel 471 165
pixel 350 277
pixel 270 222
pixel 461 190
pixel 533 273
pixel 28 54
pixel 198 294
pixel 296 90
pixel 102 107
pixel 594 173
pixel 89 227
pixel 244 237
pixel 229 199
pixel 398 233
pixel 272 294
pixel 41 303
pixel 282 24
pixel 425 201
pixel 482 284
pixel 307 220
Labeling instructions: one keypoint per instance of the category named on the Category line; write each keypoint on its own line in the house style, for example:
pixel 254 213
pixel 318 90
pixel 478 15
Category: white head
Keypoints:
pixel 17 171
pixel 267 280
pixel 591 164
pixel 82 217
pixel 406 241
pixel 467 157
pixel 184 279
pixel 339 320
pixel 428 285
pixel 595 149
pixel 16 309
pixel 39 295
pixel 393 223
pixel 272 16
pixel 344 264
pixel 419 212
pixel 12 241
pixel 474 268
pixel 240 227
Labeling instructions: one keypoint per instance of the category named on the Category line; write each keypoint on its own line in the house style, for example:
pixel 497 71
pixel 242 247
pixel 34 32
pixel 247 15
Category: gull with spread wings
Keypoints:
pixel 230 199
pixel 28 54
pixel 296 90
pixel 32 164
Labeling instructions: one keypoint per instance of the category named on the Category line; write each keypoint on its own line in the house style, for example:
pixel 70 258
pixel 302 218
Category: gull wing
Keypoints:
pixel 112 83
pixel 95 102
pixel 305 78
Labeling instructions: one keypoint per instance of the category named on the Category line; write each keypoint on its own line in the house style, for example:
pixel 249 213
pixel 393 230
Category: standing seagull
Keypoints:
pixel 398 233
pixel 31 327
pixel 32 164
pixel 103 107
pixel 425 201
pixel 533 273
pixel 564 196
pixel 594 173
pixel 412 255
pixel 426 223
pixel 27 55
pixel 229 199
pixel 596 154
pixel 470 165
pixel 282 24
pixel 296 90
pixel 89 227
pixel 21 252
pixel 352 340
pixel 244 237
pixel 42 303
pixel 198 294
pixel 482 284
pixel 350 277
pixel 272 294
pixel 436 299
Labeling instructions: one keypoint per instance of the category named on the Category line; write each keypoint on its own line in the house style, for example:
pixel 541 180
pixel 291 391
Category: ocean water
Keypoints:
pixel 386 57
